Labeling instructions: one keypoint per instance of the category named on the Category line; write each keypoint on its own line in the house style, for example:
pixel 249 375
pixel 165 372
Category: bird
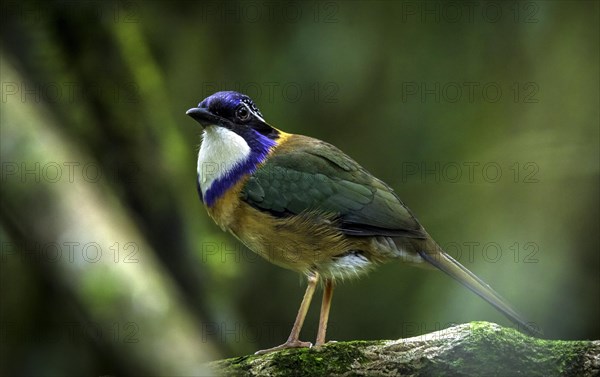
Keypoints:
pixel 304 205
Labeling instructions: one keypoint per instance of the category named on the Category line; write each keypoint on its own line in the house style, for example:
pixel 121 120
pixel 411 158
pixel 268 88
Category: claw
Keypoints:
pixel 319 346
pixel 286 345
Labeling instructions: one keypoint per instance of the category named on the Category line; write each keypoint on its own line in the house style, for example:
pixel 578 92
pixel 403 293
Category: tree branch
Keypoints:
pixel 474 349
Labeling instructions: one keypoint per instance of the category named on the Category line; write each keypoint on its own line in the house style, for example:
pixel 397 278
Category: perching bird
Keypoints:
pixel 304 205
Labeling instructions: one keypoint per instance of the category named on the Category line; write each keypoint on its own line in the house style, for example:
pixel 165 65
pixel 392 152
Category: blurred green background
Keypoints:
pixel 483 116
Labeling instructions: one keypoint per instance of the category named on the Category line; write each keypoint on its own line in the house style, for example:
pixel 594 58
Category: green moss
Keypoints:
pixel 492 351
pixel 334 358
pixel 236 366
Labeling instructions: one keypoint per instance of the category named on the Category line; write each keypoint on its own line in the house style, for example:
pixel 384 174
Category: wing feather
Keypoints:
pixel 305 174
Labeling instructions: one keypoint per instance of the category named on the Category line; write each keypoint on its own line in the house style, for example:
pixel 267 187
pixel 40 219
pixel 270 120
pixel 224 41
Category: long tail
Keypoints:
pixel 460 273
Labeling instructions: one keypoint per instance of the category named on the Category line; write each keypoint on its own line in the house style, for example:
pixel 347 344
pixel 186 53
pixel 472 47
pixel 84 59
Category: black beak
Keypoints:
pixel 204 117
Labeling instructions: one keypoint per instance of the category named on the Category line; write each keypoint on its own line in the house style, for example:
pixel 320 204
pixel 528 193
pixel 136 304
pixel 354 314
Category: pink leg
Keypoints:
pixel 325 306
pixel 293 340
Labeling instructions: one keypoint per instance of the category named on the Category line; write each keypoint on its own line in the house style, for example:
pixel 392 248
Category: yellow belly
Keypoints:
pixel 303 243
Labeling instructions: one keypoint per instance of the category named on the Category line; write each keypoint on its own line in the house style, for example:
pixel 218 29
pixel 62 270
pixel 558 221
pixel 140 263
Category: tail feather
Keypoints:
pixel 457 271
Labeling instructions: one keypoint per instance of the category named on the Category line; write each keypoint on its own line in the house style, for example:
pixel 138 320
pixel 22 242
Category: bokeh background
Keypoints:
pixel 484 117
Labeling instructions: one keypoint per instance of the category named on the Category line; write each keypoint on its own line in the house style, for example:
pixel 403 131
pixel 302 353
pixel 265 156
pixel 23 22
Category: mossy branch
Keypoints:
pixel 474 349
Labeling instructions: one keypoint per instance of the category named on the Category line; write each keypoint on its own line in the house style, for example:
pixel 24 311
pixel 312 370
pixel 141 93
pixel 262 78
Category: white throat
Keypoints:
pixel 220 152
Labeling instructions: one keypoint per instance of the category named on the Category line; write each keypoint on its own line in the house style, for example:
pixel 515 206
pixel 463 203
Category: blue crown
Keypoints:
pixel 225 103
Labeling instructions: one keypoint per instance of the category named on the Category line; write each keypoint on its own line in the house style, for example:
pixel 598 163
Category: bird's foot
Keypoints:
pixel 318 346
pixel 286 345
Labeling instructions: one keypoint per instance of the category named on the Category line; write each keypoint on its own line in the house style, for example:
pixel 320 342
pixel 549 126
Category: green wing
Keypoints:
pixel 306 174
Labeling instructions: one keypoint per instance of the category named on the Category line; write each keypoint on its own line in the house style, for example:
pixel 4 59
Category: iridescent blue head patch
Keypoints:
pixel 224 104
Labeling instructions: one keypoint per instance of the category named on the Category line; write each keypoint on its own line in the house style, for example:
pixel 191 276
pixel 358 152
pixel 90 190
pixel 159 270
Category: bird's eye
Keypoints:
pixel 242 113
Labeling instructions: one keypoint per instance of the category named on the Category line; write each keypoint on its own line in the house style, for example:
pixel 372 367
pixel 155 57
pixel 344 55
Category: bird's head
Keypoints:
pixel 235 112
pixel 236 140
